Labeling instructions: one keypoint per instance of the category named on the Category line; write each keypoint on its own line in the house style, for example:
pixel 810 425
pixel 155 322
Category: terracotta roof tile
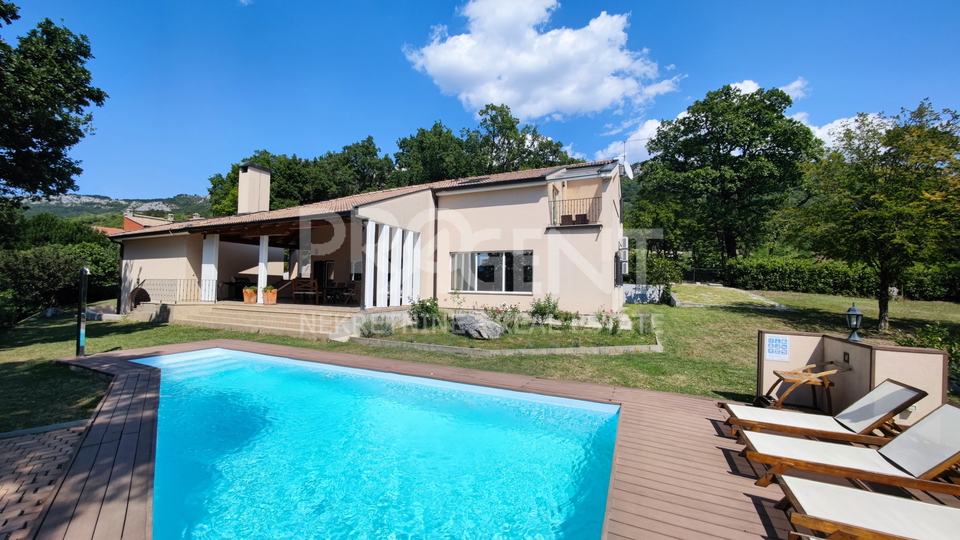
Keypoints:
pixel 345 204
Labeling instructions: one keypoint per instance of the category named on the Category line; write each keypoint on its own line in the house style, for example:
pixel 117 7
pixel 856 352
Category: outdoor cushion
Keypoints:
pixel 863 416
pixel 845 507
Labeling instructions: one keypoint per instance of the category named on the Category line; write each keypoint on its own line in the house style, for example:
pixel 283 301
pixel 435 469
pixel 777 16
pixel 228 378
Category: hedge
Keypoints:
pixel 921 282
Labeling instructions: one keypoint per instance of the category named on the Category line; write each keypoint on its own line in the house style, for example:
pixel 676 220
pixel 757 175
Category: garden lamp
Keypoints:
pixel 854 318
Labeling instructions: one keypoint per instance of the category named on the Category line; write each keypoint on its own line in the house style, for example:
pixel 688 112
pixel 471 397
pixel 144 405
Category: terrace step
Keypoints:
pixel 274 319
pixel 297 332
pixel 316 324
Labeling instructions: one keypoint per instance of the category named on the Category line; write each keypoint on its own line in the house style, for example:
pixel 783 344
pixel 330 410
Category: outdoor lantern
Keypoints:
pixel 854 318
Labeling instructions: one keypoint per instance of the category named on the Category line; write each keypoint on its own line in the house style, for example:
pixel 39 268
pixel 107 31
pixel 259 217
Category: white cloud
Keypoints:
pixel 573 153
pixel 245 2
pixel 747 86
pixel 797 89
pixel 829 132
pixel 505 57
pixel 635 146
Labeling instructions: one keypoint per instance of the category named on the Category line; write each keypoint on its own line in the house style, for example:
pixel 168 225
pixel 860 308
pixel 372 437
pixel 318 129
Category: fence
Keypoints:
pixel 575 211
pixel 174 291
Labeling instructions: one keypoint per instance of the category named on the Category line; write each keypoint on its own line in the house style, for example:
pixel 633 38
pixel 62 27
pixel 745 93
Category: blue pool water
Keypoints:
pixel 253 446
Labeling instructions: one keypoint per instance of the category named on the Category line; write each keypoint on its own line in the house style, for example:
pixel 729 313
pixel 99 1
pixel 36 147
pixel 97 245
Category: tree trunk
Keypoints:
pixel 883 298
pixel 730 245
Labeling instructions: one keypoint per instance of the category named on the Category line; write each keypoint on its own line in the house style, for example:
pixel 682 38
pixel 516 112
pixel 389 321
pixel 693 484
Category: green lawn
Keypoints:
pixel 708 352
pixel 721 296
pixel 527 337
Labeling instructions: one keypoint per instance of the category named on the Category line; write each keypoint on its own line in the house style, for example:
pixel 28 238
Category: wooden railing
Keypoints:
pixel 174 291
pixel 575 211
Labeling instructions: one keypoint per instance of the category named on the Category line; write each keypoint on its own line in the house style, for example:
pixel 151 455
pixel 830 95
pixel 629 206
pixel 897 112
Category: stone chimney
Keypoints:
pixel 254 190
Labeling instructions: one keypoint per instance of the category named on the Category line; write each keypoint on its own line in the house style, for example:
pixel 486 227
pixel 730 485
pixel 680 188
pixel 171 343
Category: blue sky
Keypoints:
pixel 197 85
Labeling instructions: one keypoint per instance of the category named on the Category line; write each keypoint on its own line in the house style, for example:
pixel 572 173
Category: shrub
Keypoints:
pixel 8 311
pixel 566 318
pixel 936 336
pixel 508 316
pixel 609 321
pixel 425 313
pixel 40 277
pixel 379 327
pixel 666 293
pixel 798 275
pixel 544 309
pixel 928 282
pixel 662 270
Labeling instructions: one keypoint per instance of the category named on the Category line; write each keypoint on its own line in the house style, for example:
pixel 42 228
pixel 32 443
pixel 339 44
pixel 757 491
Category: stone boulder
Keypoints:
pixel 476 326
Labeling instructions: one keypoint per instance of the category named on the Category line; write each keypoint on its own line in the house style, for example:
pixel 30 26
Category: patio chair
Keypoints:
pixel 913 459
pixel 305 288
pixel 845 512
pixel 352 293
pixel 856 423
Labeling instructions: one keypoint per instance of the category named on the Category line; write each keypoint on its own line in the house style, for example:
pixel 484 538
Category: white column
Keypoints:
pixel 406 269
pixel 369 252
pixel 262 267
pixel 305 249
pixel 395 258
pixel 383 250
pixel 415 267
pixel 209 268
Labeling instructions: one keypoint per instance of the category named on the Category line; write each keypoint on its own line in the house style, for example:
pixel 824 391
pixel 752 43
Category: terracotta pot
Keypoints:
pixel 249 296
pixel 270 297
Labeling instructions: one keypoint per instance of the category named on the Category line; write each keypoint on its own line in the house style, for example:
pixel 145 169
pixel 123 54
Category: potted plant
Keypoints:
pixel 250 294
pixel 269 295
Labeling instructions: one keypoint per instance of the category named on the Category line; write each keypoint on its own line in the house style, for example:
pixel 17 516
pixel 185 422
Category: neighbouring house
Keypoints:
pixel 510 237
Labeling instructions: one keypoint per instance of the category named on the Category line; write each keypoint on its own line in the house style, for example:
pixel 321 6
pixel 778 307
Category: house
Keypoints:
pixel 511 237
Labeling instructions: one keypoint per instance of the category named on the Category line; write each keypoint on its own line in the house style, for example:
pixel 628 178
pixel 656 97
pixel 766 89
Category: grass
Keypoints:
pixel 708 352
pixel 530 337
pixel 720 296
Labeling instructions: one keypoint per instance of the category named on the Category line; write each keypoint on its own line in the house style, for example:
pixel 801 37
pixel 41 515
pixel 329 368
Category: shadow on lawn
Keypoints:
pixel 64 329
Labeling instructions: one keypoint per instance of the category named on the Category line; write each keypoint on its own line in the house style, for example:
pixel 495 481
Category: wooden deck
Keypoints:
pixel 676 472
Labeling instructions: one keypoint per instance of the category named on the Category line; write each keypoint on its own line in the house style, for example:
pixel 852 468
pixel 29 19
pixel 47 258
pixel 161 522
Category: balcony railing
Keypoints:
pixel 575 211
pixel 173 291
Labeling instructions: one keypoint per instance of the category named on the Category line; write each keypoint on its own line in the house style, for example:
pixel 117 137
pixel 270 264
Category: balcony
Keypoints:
pixel 570 212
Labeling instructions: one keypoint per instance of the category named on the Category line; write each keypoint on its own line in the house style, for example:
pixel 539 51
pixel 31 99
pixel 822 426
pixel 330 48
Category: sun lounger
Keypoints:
pixel 853 513
pixel 853 424
pixel 913 459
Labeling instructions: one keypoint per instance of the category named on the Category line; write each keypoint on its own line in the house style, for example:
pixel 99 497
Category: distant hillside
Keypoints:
pixel 74 206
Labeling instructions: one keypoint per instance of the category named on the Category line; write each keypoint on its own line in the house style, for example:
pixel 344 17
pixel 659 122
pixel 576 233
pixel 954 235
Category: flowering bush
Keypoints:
pixel 566 318
pixel 508 316
pixel 609 320
pixel 542 310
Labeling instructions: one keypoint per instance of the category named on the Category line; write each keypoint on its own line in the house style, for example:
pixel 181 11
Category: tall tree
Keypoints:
pixel 502 145
pixel 876 197
pixel 730 163
pixel 431 155
pixel 45 91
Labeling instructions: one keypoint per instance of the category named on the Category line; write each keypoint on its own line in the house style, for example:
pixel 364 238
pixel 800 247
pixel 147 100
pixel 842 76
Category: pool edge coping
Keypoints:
pixel 101 363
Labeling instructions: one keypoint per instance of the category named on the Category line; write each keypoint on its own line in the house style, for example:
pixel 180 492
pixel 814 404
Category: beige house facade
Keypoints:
pixel 471 242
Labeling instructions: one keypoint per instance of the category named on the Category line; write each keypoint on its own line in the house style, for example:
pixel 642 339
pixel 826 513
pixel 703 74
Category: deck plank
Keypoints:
pixel 676 472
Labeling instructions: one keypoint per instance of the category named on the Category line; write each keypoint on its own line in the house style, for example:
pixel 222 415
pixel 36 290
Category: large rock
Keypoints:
pixel 476 326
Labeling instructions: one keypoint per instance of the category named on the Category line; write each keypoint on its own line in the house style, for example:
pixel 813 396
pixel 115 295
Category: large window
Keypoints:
pixel 510 271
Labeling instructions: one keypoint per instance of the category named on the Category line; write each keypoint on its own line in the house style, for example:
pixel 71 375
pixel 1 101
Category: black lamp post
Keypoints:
pixel 854 319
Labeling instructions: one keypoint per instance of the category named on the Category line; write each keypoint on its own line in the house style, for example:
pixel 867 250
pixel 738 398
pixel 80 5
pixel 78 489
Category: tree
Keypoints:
pixel 430 156
pixel 730 163
pixel 501 145
pixel 876 197
pixel 45 89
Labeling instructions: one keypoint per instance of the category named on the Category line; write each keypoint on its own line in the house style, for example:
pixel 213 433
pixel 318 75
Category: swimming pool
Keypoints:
pixel 258 446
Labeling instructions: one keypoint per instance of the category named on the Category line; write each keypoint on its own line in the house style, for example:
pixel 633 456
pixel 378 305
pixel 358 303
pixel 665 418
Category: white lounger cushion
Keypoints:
pixel 837 455
pixel 787 418
pixel 869 409
pixel 884 513
pixel 928 443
